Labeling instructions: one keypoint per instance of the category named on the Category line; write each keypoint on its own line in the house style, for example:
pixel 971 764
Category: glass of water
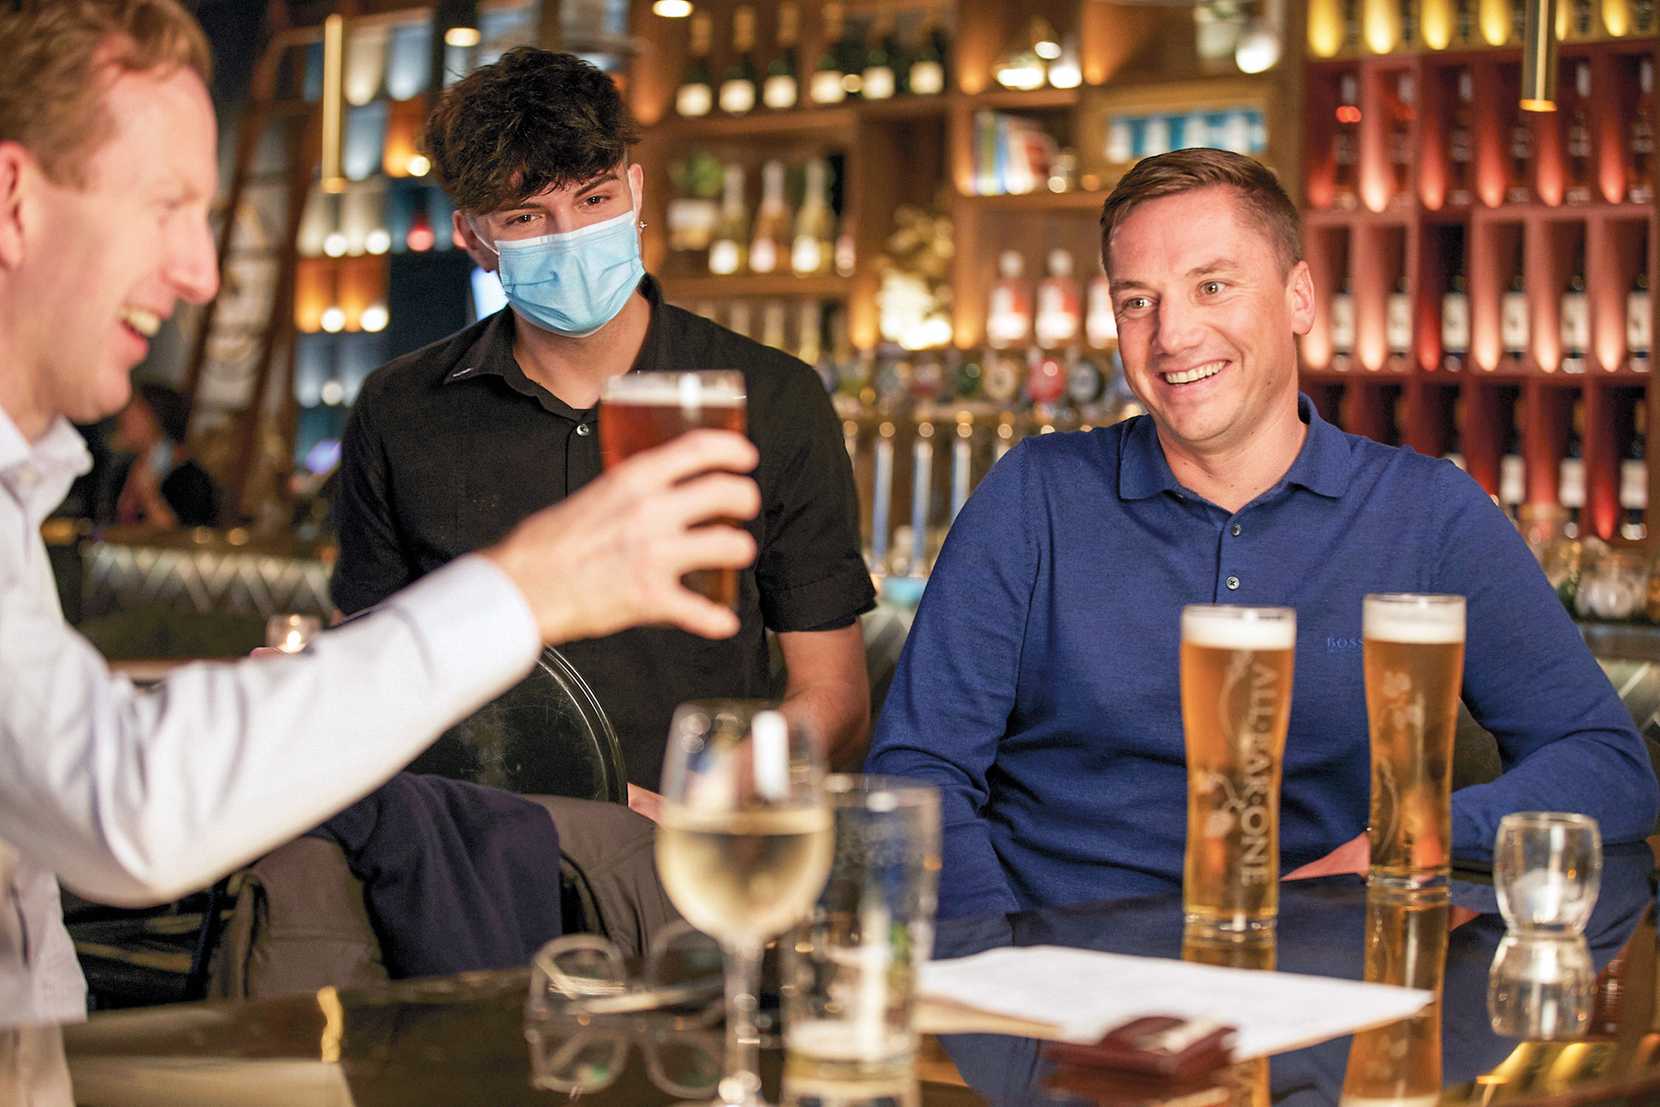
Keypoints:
pixel 1547 868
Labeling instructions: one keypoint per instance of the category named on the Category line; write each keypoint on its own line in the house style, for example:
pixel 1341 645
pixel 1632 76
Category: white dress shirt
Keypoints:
pixel 134 797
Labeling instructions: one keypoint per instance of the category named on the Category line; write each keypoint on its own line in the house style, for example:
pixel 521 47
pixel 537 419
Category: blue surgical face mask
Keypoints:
pixel 575 282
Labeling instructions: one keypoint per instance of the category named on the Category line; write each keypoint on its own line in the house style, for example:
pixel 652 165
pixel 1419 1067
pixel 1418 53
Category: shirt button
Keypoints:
pixel 584 429
pixel 1233 584
pixel 1236 529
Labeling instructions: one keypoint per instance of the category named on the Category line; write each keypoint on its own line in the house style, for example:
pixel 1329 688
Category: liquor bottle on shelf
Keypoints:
pixel 1345 143
pixel 1515 321
pixel 1059 307
pixel 1577 137
pixel 845 252
pixel 779 89
pixel 1639 172
pixel 730 245
pixel 1100 324
pixel 774 325
pixel 769 244
pixel 1009 311
pixel 1461 144
pixel 696 95
pixel 1512 478
pixel 1403 110
pixel 1639 322
pixel 1342 327
pixel 878 78
pixel 925 75
pixel 813 245
pixel 825 84
pixel 1519 154
pixel 738 318
pixel 738 88
pixel 1634 480
pixel 1397 326
pixel 1455 315
pixel 809 337
pixel 850 56
pixel 1575 318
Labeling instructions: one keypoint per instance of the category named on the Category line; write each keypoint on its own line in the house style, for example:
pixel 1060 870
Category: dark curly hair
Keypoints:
pixel 531 121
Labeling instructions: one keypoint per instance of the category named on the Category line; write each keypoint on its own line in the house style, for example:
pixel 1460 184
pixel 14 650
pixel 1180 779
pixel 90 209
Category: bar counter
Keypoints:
pixel 463 1040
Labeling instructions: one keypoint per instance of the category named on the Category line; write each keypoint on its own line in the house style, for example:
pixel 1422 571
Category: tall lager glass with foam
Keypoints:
pixel 1414 658
pixel 1236 703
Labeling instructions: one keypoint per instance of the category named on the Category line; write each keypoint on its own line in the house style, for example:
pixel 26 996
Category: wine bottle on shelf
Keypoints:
pixel 1464 23
pixel 1634 480
pixel 809 326
pixel 1397 325
pixel 738 87
pixel 774 325
pixel 769 244
pixel 850 56
pixel 846 251
pixel 825 85
pixel 738 317
pixel 1514 319
pixel 1403 110
pixel 1581 17
pixel 728 248
pixel 1519 151
pixel 1570 476
pixel 1342 327
pixel 1461 144
pixel 1639 322
pixel 1512 477
pixel 1345 143
pixel 878 77
pixel 696 95
pixel 1100 324
pixel 1577 137
pixel 1009 310
pixel 1640 139
pixel 1059 310
pixel 1575 318
pixel 1455 315
pixel 1409 26
pixel 813 245
pixel 780 89
pixel 925 76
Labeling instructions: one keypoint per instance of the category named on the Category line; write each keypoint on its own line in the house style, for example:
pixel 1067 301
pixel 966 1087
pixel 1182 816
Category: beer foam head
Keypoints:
pixel 712 389
pixel 1224 627
pixel 1427 620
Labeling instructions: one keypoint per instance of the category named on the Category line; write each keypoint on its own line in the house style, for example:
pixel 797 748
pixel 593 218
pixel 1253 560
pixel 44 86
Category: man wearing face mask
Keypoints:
pixel 449 446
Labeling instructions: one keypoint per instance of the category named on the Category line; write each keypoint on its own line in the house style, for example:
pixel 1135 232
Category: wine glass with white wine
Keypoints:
pixel 743 849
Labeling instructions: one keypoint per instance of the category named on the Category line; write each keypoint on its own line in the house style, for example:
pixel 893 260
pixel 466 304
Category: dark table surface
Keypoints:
pixel 463 1041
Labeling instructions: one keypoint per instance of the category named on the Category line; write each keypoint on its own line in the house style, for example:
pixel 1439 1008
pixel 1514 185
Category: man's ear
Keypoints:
pixel 17 175
pixel 483 257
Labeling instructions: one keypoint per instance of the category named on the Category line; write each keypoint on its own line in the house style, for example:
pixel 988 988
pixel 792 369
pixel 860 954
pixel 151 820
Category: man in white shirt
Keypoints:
pixel 107 168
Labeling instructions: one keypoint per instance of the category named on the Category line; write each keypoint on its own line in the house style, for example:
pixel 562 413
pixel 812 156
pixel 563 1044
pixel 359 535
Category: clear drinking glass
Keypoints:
pixel 1236 705
pixel 1547 867
pixel 291 633
pixel 850 970
pixel 1414 666
pixel 743 848
pixel 1541 989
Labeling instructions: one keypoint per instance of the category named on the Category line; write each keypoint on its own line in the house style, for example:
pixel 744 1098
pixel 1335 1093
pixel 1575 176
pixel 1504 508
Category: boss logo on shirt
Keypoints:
pixel 1342 645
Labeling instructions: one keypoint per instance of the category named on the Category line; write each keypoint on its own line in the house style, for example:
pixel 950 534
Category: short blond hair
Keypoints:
pixel 1253 184
pixel 61 57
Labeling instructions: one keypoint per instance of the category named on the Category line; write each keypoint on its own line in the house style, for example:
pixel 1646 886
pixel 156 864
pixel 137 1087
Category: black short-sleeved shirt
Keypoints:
pixel 450 446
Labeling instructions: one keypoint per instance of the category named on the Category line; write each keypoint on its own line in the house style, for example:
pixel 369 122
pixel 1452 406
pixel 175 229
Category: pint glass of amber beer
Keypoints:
pixel 641 410
pixel 1236 703
pixel 1414 658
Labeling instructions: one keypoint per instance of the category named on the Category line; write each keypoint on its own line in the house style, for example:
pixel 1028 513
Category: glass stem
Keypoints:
pixel 741 1086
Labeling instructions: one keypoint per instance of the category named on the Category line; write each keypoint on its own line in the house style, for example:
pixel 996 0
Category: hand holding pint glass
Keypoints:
pixel 1414 661
pixel 641 410
pixel 1236 706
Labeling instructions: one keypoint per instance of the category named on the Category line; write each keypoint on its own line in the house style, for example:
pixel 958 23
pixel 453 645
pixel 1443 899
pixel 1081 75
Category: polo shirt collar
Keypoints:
pixel 1322 465
pixel 491 353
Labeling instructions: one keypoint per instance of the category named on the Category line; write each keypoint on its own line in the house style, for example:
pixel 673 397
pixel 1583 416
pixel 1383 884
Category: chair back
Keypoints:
pixel 547 735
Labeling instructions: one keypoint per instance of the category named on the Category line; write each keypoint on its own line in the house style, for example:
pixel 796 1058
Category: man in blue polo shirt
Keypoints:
pixel 1040 686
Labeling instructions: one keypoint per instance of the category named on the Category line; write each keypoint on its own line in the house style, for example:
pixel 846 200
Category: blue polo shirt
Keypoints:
pixel 1039 688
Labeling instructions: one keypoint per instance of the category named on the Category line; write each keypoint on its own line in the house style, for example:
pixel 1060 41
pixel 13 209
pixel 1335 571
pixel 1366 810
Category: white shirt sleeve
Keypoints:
pixel 138 796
